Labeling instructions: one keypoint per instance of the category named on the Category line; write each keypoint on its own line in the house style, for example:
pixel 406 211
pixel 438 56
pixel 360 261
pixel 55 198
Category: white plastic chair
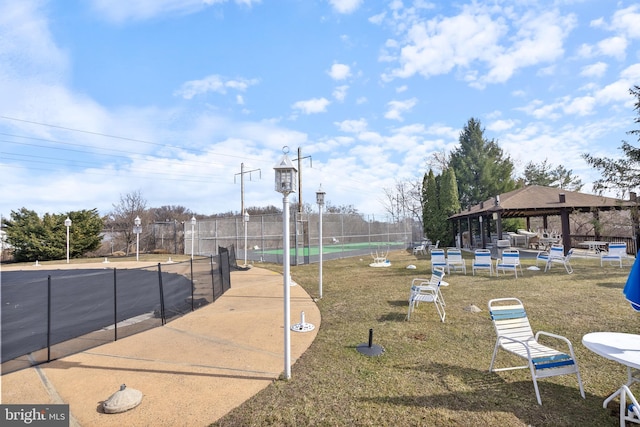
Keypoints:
pixel 455 261
pixel 438 259
pixel 510 261
pixel 420 249
pixel 514 335
pixel 428 290
pixel 542 256
pixel 616 252
pixel 557 256
pixel 482 261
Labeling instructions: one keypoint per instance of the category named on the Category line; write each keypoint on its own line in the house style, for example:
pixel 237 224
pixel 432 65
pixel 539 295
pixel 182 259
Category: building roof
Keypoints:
pixel 538 200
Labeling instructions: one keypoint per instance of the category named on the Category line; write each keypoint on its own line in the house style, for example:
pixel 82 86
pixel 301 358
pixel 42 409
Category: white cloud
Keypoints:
pixel 352 126
pixel 312 106
pixel 345 6
pixel 613 46
pixel 339 71
pixel 479 37
pixel 594 70
pixel 628 21
pixel 397 108
pixel 213 83
pixel 625 22
pixel 340 93
pixel 501 125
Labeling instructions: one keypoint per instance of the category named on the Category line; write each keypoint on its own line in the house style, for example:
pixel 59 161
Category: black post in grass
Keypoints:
pixel 370 349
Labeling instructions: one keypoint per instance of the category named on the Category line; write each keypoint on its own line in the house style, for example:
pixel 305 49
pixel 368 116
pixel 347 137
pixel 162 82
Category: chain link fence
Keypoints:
pixel 342 236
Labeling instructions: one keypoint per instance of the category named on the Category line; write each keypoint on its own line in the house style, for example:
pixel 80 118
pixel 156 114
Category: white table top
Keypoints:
pixel 617 346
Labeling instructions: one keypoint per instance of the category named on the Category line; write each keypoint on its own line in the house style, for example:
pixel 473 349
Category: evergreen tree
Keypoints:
pixel 430 206
pixel 543 174
pixel 449 203
pixel 34 238
pixel 481 168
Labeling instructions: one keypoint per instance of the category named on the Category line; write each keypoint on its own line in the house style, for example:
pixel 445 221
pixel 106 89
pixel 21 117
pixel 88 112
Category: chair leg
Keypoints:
pixel 493 358
pixel 535 382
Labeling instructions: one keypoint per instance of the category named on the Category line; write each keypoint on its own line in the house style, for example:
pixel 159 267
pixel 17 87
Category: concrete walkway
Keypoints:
pixel 191 371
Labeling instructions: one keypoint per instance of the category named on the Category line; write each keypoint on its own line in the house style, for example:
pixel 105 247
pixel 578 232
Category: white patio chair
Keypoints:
pixel 420 249
pixel 510 261
pixel 557 256
pixel 455 261
pixel 438 259
pixel 514 335
pixel 615 253
pixel 482 261
pixel 423 290
pixel 432 246
pixel 543 257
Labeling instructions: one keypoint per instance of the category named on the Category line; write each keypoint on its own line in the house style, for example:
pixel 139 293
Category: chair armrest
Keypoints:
pixel 559 337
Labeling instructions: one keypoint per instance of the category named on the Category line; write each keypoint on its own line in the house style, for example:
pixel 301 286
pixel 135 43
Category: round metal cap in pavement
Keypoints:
pixel 122 400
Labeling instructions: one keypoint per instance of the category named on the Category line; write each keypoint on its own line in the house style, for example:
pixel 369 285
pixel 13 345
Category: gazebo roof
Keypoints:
pixel 537 200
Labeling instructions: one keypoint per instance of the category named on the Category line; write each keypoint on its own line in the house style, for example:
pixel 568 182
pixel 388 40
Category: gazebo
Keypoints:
pixel 537 201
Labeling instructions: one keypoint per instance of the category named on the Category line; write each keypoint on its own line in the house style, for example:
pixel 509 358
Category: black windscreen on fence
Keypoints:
pixel 73 310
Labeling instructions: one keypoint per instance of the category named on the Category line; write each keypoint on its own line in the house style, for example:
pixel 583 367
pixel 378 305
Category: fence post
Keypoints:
pixel 191 261
pixel 48 318
pixel 115 307
pixel 161 294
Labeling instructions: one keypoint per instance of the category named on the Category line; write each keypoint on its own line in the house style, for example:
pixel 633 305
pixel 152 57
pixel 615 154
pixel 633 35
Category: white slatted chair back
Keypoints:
pixel 482 261
pixel 514 335
pixel 617 251
pixel 438 259
pixel 510 261
pixel 428 290
pixel 557 256
pixel 455 261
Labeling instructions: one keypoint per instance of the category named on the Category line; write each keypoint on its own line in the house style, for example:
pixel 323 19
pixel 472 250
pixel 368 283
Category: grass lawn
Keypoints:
pixel 434 373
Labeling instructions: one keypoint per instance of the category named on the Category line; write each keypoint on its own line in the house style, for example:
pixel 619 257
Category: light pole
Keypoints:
pixel 193 226
pixel 286 178
pixel 67 223
pixel 246 223
pixel 137 229
pixel 320 200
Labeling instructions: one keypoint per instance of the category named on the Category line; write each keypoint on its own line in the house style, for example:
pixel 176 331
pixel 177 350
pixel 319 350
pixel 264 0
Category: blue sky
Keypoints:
pixel 100 98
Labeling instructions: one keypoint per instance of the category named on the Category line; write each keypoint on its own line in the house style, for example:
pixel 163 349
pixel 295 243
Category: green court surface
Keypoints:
pixel 341 247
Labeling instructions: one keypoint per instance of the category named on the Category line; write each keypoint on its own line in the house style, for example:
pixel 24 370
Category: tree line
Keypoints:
pixel 478 169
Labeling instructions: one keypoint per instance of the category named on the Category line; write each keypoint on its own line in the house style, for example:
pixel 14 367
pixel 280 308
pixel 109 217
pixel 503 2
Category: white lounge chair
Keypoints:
pixel 557 256
pixel 438 259
pixel 482 261
pixel 615 253
pixel 423 290
pixel 510 261
pixel 514 334
pixel 455 261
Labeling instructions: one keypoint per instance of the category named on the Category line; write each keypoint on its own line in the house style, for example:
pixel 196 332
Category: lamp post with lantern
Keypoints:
pixel 67 223
pixel 320 200
pixel 193 227
pixel 285 181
